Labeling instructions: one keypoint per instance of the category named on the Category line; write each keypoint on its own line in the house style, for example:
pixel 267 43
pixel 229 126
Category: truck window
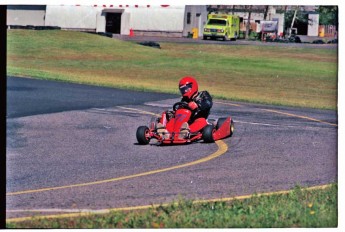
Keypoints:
pixel 216 22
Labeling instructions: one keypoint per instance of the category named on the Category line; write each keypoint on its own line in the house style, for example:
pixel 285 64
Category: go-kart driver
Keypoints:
pixel 199 102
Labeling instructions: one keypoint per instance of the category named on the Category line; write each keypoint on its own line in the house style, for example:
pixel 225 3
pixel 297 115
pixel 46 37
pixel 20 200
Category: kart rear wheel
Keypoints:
pixel 220 123
pixel 232 128
pixel 143 135
pixel 207 134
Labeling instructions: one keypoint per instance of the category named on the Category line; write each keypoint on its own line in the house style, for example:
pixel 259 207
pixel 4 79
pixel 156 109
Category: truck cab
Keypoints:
pixel 222 26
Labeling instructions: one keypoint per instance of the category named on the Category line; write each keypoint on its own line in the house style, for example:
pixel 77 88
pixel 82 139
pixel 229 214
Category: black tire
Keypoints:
pixel 220 123
pixel 232 127
pixel 235 38
pixel 207 134
pixel 142 137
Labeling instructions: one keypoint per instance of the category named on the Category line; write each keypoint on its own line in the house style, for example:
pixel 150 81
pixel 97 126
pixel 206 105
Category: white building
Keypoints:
pixel 313 24
pixel 26 15
pixel 163 20
pixel 156 20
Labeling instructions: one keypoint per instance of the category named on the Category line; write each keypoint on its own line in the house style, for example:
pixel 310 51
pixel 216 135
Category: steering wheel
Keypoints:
pixel 180 105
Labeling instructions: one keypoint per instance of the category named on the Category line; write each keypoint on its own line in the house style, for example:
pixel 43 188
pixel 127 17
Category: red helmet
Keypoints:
pixel 188 87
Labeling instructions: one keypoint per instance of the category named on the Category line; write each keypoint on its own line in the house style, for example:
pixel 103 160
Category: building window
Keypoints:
pixel 188 17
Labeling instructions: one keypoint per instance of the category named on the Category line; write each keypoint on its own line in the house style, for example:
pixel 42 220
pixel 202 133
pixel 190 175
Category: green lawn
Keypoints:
pixel 304 77
pixel 298 208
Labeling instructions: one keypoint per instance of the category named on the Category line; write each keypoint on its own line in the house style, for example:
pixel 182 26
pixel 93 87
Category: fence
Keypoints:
pixel 328 31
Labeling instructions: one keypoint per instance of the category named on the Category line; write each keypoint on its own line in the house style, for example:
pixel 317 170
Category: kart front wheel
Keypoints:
pixel 143 135
pixel 207 134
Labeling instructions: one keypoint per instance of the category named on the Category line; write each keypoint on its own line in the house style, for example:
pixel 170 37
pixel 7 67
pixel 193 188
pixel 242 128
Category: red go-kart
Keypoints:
pixel 224 127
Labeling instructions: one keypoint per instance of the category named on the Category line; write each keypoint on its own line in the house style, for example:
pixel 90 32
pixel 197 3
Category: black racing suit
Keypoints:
pixel 204 102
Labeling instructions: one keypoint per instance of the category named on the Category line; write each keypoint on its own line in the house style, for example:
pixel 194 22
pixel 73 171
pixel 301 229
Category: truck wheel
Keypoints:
pixel 143 135
pixel 235 38
pixel 207 134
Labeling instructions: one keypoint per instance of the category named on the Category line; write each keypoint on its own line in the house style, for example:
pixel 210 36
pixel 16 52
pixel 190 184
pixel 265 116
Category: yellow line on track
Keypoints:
pixel 104 211
pixel 299 116
pixel 222 148
pixel 283 113
pixel 139 111
pixel 320 187
pixel 228 104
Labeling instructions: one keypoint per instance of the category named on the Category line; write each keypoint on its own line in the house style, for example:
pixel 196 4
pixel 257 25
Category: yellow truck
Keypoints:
pixel 222 26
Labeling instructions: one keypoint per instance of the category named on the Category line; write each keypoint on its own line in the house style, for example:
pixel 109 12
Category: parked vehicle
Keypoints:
pixel 226 27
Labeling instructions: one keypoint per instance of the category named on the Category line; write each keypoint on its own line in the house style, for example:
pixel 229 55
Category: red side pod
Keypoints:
pixel 223 131
pixel 181 116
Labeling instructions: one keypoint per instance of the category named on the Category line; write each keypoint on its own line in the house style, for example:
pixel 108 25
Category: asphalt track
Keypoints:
pixel 72 148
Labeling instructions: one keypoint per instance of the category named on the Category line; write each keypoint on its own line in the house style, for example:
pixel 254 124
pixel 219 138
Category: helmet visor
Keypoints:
pixel 185 88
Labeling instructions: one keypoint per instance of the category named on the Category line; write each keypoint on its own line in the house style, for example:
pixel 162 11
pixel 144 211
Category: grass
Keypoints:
pixel 304 77
pixel 298 208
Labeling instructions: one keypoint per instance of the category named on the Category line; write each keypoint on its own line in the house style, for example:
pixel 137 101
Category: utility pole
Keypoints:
pixel 293 21
pixel 248 22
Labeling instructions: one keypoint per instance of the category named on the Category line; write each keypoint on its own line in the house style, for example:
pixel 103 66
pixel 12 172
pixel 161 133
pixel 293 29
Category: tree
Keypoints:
pixel 267 7
pixel 328 15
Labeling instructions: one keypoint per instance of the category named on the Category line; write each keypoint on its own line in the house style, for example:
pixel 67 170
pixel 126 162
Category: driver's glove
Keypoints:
pixel 192 105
